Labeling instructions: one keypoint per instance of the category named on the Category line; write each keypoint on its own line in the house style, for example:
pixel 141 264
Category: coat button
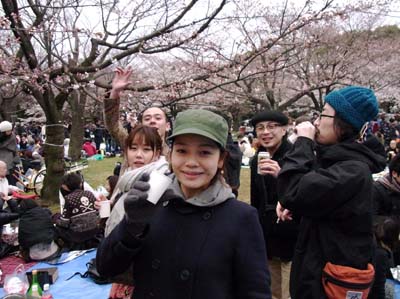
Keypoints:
pixel 207 215
pixel 155 264
pixel 165 203
pixel 185 274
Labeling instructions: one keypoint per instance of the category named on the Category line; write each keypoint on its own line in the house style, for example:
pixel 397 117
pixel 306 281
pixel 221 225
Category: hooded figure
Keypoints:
pixel 326 178
pixel 8 146
pixel 36 232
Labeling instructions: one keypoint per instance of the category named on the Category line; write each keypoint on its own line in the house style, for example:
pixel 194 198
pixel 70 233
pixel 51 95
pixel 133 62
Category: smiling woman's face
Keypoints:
pixel 195 161
pixel 139 153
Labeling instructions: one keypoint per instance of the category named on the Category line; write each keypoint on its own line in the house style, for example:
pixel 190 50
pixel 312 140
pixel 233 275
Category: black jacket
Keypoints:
pixel 192 252
pixel 386 201
pixel 233 163
pixel 6 216
pixel 332 191
pixel 35 226
pixel 280 237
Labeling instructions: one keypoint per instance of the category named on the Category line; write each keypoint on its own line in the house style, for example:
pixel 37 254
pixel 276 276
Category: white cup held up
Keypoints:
pixel 105 209
pixel 159 182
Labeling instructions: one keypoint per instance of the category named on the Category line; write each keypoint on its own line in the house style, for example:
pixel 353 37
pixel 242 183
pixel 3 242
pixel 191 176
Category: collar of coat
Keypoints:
pixel 214 195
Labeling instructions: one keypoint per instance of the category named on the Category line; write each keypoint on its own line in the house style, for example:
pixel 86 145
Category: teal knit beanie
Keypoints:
pixel 354 104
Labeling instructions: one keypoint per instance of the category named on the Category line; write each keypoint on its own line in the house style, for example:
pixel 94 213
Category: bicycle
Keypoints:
pixel 33 179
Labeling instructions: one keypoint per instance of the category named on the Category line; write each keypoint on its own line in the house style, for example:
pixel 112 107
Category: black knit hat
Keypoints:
pixel 270 115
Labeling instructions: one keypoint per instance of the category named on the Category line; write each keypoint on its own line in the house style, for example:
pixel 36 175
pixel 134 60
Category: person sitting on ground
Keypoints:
pixel 5 187
pixel 387 191
pixel 386 231
pixel 111 182
pixel 89 148
pixel 78 225
pixel 8 148
pixel 36 232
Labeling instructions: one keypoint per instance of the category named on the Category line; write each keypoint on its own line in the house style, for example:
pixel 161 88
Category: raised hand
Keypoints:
pixel 121 81
pixel 306 129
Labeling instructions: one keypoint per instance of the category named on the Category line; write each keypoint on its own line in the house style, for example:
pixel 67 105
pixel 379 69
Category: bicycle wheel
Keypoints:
pixel 38 181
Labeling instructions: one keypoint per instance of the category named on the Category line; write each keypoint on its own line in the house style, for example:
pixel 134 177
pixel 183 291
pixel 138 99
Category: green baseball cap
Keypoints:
pixel 201 122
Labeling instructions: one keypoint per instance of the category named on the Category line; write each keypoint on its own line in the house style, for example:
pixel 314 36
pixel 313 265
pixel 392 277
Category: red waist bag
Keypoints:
pixel 341 282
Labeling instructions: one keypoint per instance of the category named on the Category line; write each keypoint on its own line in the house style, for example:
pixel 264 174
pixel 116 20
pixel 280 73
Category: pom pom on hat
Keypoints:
pixel 5 126
pixel 354 104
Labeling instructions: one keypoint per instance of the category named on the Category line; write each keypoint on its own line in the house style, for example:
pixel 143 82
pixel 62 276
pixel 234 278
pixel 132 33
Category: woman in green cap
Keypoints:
pixel 198 241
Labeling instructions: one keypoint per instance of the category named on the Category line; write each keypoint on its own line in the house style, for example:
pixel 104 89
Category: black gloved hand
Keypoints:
pixel 138 211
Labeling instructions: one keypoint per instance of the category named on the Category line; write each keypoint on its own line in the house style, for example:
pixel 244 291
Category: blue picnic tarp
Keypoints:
pixel 76 287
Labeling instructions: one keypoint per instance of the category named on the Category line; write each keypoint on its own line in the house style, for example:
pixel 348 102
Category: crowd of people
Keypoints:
pixel 385 128
pixel 317 226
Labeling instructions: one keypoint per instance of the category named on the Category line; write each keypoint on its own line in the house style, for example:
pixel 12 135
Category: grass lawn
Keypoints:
pixel 98 171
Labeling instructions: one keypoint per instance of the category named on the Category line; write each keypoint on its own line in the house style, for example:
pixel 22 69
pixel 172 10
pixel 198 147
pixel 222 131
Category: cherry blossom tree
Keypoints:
pixel 55 52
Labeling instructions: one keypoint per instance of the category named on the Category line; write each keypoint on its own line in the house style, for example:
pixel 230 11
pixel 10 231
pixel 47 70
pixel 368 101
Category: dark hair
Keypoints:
pixel 73 181
pixel 344 130
pixel 112 181
pixel 146 135
pixel 394 165
pixel 27 204
pixel 387 232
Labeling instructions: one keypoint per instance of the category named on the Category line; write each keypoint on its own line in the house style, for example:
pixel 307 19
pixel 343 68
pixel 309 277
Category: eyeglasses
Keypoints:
pixel 269 127
pixel 325 115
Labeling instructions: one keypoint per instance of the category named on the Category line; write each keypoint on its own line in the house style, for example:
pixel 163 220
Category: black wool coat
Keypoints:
pixel 192 252
pixel 280 238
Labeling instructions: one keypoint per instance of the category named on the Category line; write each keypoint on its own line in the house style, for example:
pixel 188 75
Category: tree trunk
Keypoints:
pixel 54 145
pixel 77 103
pixel 54 159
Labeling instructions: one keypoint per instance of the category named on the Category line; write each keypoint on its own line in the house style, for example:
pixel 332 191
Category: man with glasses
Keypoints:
pixel 326 179
pixel 280 238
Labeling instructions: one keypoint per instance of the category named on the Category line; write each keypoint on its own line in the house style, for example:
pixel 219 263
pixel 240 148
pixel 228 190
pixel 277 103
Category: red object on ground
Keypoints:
pixel 89 149
pixel 9 263
pixel 19 195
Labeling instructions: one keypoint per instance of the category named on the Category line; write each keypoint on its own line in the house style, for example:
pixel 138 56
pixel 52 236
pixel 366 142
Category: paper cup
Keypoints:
pixel 105 209
pixel 158 184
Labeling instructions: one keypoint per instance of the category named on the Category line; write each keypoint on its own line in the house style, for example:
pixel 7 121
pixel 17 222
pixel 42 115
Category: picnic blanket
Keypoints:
pixel 9 263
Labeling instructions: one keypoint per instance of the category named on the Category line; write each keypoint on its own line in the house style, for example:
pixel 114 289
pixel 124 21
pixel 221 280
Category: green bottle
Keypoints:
pixel 35 291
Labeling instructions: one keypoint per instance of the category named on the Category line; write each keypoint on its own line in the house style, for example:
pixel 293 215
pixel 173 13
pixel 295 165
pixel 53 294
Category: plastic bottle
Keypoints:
pixel 35 291
pixel 46 293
